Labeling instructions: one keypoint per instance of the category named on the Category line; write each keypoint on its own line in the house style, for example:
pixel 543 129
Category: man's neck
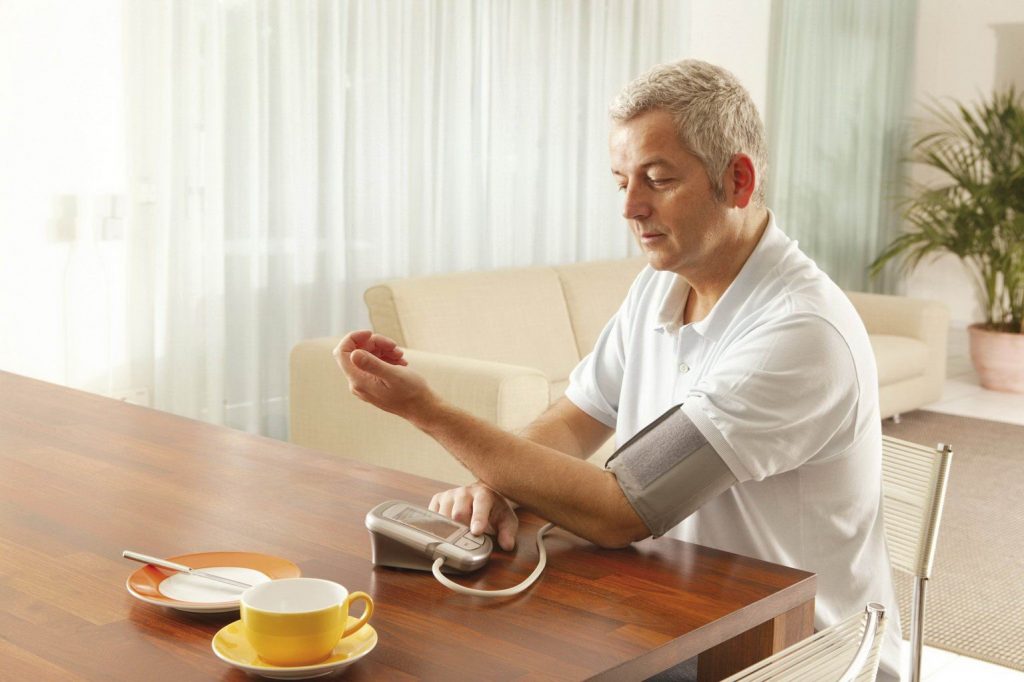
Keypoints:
pixel 708 286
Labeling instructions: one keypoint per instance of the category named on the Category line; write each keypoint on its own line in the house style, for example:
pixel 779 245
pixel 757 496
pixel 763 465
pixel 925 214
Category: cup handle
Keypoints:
pixel 367 611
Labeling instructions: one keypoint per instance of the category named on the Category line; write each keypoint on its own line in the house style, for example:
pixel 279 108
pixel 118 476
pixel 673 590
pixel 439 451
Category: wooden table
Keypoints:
pixel 83 477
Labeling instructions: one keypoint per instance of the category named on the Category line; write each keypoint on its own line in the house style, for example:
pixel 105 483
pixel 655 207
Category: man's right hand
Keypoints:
pixel 378 373
pixel 482 509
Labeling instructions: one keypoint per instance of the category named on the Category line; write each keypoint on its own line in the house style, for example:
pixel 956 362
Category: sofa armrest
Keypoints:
pixel 916 318
pixel 326 416
pixel 921 319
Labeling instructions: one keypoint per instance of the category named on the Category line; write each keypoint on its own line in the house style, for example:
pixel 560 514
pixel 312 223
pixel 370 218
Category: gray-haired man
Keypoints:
pixel 774 450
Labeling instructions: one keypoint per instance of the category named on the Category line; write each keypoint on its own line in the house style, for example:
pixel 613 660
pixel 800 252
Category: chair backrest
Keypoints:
pixel 845 652
pixel 914 479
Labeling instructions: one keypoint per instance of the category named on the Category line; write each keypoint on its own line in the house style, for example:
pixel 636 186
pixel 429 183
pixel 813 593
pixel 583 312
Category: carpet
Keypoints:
pixel 975 599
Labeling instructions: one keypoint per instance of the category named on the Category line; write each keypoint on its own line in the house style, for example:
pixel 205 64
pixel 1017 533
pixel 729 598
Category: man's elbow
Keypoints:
pixel 620 536
pixel 617 525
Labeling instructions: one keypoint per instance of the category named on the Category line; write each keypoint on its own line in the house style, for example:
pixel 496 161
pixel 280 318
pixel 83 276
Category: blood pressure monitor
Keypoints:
pixel 405 535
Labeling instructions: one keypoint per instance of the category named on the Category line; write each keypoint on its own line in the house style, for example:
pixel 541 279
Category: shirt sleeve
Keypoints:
pixel 787 395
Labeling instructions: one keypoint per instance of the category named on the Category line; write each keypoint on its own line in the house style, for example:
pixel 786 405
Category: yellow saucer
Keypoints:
pixel 231 646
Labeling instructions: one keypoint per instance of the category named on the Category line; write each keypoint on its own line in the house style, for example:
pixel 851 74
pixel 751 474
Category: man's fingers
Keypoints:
pixel 442 503
pixel 385 349
pixel 491 513
pixel 482 506
pixel 508 524
pixel 363 372
pixel 371 364
pixel 447 506
pixel 376 344
pixel 353 340
pixel 482 509
pixel 462 509
pixel 395 357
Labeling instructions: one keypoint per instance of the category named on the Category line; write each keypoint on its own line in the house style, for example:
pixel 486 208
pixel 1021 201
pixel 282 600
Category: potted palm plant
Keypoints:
pixel 976 212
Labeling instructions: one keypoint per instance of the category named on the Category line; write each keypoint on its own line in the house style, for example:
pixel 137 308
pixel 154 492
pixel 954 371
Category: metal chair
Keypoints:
pixel 845 652
pixel 914 481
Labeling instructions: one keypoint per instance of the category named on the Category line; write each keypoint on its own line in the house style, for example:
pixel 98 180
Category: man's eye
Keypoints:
pixel 659 181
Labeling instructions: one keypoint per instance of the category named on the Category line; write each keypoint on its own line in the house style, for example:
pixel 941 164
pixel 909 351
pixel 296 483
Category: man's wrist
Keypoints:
pixel 428 412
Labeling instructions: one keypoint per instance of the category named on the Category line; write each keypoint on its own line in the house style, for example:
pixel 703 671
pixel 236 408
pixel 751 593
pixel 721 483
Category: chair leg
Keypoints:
pixel 917 629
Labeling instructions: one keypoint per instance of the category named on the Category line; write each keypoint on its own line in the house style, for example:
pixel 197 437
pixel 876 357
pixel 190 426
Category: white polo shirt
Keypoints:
pixel 780 378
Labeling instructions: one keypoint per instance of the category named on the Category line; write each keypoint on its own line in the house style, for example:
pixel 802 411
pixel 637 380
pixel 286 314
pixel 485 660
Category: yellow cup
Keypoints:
pixel 298 621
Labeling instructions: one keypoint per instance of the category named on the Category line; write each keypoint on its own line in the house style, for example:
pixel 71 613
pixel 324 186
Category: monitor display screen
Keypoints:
pixel 435 525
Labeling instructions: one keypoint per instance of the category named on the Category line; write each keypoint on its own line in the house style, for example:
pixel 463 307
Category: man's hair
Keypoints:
pixel 714 116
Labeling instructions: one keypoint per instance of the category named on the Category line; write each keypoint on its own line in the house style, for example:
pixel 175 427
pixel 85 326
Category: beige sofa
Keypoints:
pixel 501 345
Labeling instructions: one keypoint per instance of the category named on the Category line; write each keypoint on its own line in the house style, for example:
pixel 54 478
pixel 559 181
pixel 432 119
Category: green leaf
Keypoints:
pixel 976 211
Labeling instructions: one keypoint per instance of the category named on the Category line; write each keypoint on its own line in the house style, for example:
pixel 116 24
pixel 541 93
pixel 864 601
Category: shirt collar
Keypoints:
pixel 766 255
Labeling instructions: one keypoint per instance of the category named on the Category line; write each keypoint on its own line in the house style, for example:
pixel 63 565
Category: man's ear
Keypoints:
pixel 740 180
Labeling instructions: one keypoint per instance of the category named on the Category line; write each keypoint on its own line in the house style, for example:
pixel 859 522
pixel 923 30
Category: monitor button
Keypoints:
pixel 467 542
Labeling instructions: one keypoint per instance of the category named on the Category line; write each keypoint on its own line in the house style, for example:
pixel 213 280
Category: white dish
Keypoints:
pixel 188 607
pixel 191 588
pixel 191 594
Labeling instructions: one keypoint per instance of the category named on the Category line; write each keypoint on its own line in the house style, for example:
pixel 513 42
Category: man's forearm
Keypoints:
pixel 566 428
pixel 571 493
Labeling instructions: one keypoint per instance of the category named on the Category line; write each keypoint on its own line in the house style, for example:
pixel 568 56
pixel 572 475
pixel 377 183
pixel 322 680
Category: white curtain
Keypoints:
pixel 61 173
pixel 283 156
pixel 838 96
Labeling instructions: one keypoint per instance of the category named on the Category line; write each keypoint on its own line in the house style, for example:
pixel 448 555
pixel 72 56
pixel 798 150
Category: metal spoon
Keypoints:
pixel 182 568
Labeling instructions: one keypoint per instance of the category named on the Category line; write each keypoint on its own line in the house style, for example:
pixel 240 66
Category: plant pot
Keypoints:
pixel 998 358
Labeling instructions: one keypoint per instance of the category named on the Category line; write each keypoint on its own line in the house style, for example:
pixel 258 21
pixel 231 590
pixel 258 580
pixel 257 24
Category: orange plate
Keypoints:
pixel 145 582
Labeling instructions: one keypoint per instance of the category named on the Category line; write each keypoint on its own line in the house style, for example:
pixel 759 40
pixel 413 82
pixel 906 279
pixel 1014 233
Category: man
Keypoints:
pixel 775 451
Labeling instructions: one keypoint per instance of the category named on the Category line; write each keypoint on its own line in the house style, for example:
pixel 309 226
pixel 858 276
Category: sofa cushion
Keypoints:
pixel 593 292
pixel 898 357
pixel 514 316
pixel 557 389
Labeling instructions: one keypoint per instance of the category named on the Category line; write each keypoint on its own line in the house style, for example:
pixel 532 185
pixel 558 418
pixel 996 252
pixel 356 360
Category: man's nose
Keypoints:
pixel 636 204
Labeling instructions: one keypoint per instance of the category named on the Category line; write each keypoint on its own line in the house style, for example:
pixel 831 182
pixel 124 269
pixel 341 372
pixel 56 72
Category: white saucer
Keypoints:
pixel 231 646
pixel 197 595
pixel 191 588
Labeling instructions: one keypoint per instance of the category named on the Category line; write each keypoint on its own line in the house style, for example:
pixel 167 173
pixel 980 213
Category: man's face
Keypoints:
pixel 667 196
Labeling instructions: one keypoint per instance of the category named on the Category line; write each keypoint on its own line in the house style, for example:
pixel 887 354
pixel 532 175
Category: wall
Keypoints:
pixel 963 49
pixel 734 34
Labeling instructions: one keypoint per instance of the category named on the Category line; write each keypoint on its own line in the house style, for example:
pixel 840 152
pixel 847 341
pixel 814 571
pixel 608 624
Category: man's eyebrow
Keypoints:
pixel 656 161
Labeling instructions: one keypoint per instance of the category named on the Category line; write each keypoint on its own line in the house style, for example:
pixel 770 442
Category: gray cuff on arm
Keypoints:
pixel 668 470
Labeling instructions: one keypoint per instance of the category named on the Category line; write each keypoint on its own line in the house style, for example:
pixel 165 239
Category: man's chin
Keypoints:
pixel 660 263
pixel 656 260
